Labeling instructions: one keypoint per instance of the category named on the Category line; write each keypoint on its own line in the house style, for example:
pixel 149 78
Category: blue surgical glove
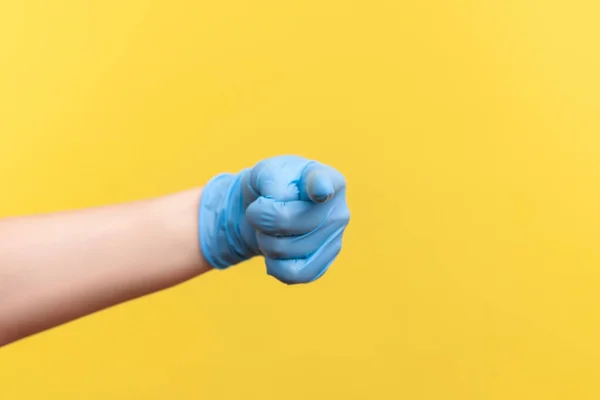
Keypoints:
pixel 288 209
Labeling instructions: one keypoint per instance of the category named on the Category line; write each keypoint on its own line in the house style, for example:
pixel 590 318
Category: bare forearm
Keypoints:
pixel 59 267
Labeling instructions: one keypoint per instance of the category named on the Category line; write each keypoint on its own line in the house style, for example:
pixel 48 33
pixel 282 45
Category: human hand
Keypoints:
pixel 290 210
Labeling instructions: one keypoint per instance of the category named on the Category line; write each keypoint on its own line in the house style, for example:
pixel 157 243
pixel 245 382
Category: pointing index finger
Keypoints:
pixel 319 183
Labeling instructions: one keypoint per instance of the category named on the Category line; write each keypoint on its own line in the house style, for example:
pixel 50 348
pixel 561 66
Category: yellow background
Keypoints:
pixel 469 132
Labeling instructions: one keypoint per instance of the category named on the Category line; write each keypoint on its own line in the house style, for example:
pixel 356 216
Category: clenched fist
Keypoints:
pixel 288 209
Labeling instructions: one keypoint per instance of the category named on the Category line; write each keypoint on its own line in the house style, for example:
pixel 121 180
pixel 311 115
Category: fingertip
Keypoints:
pixel 320 183
pixel 319 187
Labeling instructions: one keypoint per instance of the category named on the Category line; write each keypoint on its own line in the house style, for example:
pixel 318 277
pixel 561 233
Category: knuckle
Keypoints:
pixel 342 217
pixel 337 247
pixel 346 216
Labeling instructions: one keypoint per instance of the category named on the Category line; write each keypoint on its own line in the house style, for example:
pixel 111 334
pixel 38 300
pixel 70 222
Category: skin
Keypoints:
pixel 59 267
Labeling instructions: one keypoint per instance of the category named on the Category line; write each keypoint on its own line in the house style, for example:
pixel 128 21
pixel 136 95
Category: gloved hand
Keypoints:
pixel 288 209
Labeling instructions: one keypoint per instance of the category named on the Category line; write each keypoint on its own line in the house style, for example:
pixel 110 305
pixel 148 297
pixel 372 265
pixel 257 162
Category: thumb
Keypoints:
pixel 319 183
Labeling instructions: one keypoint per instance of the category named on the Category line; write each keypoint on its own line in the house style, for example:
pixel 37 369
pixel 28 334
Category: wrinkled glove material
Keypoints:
pixel 289 209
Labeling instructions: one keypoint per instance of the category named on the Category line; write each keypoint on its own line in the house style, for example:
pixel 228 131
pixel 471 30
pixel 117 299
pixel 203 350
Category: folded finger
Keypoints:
pixel 290 218
pixel 290 247
pixel 305 270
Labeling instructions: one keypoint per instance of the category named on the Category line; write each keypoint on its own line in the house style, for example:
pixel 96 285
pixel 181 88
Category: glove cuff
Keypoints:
pixel 220 212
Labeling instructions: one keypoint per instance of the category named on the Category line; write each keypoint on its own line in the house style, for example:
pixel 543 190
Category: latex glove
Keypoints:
pixel 288 209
